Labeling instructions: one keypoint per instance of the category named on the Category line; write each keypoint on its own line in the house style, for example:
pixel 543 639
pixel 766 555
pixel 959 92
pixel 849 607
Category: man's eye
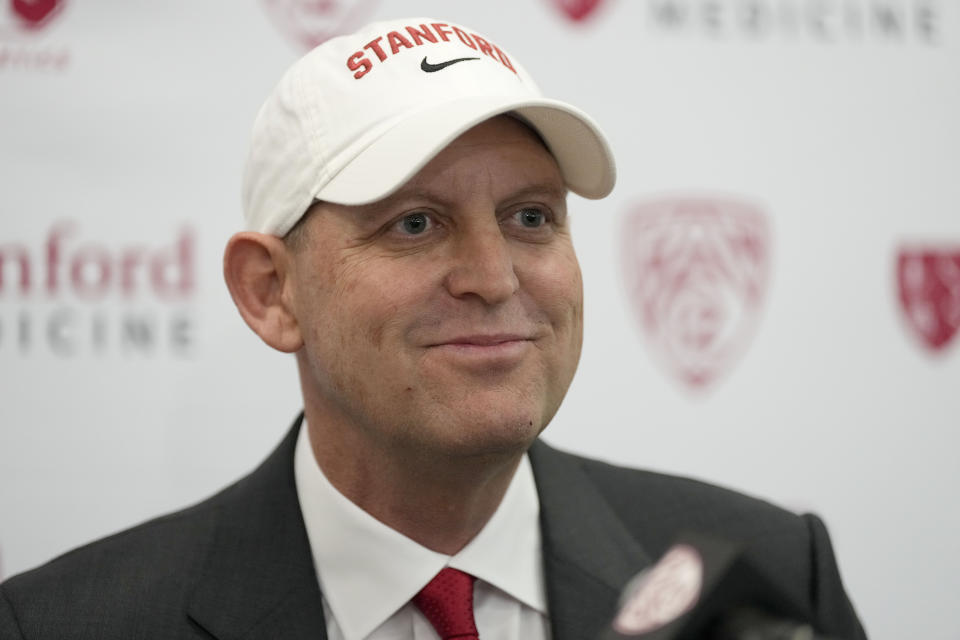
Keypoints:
pixel 414 223
pixel 531 217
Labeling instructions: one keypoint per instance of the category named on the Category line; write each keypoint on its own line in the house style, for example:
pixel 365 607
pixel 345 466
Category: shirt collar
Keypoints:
pixel 367 571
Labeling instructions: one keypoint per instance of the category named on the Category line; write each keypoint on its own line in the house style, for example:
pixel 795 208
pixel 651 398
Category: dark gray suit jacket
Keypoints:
pixel 239 565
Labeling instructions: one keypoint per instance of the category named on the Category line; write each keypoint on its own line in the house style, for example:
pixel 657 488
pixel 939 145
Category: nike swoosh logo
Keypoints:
pixel 430 68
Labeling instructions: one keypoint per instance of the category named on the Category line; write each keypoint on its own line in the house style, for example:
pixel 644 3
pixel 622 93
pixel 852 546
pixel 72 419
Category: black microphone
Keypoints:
pixel 704 588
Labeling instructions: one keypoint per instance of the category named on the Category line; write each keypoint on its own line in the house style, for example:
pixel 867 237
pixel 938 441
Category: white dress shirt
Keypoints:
pixel 368 572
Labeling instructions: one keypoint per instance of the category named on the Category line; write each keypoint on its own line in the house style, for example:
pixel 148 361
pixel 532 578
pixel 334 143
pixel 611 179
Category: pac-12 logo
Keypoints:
pixel 928 280
pixel 309 23
pixel 696 271
pixel 577 10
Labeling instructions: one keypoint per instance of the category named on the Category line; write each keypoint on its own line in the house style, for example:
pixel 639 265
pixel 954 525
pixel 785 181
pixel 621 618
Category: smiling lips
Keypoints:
pixel 482 349
pixel 483 340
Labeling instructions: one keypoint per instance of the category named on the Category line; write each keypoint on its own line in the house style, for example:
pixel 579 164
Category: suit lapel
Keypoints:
pixel 588 553
pixel 259 579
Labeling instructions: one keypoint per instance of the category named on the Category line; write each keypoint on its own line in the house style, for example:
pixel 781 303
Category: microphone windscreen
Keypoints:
pixel 697 583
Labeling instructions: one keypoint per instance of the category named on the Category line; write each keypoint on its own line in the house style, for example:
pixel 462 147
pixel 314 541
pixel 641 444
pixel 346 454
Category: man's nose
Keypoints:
pixel 482 265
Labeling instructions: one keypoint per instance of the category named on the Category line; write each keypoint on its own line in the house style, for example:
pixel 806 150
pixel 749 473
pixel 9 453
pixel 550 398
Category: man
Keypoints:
pixel 408 239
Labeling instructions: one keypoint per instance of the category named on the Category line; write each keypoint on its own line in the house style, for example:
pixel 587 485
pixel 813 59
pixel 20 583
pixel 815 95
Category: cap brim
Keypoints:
pixel 390 160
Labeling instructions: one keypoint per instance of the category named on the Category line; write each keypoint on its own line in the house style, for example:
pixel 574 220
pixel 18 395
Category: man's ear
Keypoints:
pixel 256 267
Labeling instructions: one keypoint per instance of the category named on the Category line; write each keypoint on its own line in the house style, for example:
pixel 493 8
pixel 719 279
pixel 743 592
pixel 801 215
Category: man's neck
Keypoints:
pixel 439 501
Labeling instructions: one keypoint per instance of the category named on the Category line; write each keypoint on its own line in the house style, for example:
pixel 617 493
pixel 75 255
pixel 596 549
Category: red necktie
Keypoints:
pixel 447 602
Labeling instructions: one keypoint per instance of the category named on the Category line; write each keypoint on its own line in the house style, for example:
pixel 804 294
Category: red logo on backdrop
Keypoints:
pixel 696 271
pixel 312 22
pixel 34 14
pixel 577 10
pixel 20 21
pixel 929 282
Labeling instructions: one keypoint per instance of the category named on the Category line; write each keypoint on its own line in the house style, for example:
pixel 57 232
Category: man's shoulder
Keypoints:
pixel 659 506
pixel 167 537
pixel 144 576
pixel 113 578
pixel 643 486
pixel 630 485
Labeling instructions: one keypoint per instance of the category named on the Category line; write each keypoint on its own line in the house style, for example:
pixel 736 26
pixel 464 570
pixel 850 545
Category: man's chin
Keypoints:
pixel 493 437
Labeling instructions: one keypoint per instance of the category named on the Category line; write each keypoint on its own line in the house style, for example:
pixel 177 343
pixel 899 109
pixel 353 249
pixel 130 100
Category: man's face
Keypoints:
pixel 447 317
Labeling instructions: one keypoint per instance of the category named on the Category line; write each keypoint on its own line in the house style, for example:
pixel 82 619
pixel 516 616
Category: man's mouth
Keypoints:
pixel 484 351
pixel 483 340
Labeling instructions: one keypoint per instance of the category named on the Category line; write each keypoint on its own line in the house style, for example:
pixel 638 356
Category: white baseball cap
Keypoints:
pixel 360 115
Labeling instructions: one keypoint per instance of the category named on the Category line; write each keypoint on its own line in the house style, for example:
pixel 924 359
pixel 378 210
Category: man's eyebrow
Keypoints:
pixel 549 189
pixel 416 193
pixel 371 212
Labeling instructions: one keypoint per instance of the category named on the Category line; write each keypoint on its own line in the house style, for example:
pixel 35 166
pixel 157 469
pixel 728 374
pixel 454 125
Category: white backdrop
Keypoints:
pixel 781 155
